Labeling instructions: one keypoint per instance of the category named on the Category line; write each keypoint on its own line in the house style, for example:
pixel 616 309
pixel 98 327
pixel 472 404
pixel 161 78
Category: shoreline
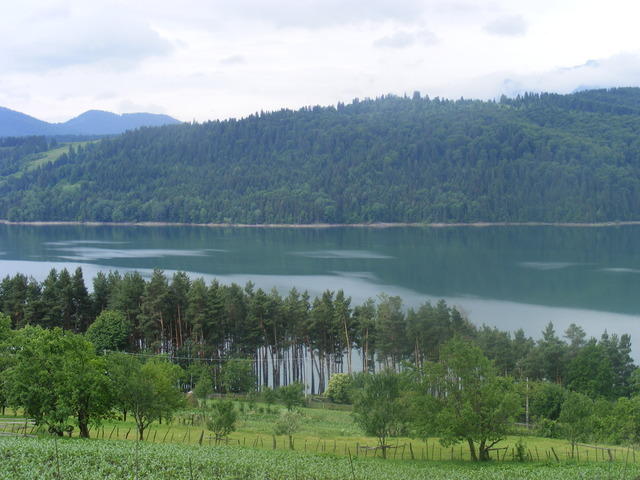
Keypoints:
pixel 321 225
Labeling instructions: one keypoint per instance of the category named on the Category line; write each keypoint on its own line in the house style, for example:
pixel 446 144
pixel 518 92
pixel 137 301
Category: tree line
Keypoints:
pixel 391 159
pixel 70 358
pixel 463 398
pixel 294 337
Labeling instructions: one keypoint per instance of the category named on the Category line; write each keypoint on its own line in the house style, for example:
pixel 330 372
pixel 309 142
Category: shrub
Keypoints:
pixel 339 388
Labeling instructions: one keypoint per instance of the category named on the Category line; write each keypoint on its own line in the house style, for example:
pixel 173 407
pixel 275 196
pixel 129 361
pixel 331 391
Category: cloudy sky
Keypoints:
pixel 206 59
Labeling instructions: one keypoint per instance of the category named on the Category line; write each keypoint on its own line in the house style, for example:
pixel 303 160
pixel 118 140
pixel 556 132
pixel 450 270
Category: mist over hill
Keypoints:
pixel 539 157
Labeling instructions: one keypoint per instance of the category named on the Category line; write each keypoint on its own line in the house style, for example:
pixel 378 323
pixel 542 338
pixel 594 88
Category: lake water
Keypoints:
pixel 509 277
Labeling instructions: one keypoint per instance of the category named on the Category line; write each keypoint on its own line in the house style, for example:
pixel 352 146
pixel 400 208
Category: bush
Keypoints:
pixel 269 395
pixel 339 388
pixel 292 395
pixel 222 420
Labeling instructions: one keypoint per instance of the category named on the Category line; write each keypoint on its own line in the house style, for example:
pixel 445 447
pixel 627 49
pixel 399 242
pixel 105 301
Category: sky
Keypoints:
pixel 214 59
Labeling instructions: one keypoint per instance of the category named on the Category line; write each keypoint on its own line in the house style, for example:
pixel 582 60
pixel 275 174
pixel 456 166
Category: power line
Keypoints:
pixel 170 357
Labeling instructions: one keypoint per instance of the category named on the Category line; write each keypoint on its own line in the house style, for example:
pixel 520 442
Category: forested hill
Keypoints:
pixel 393 159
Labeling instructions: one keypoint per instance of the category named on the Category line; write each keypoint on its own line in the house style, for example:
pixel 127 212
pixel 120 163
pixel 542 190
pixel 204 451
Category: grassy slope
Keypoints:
pixel 52 155
pixel 31 162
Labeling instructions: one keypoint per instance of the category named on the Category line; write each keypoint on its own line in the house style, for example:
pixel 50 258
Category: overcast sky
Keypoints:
pixel 207 59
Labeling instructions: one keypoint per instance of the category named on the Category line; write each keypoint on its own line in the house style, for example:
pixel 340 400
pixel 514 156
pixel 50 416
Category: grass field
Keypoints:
pixel 333 432
pixel 45 458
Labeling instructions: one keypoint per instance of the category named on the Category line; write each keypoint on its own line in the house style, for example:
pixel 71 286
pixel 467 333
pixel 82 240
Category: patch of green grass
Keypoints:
pixel 34 161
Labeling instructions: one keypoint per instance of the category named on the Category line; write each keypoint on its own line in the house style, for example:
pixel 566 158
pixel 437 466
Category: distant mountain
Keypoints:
pixel 536 157
pixel 16 124
pixel 106 123
pixel 92 122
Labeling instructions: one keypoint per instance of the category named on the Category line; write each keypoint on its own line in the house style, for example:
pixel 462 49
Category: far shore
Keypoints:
pixel 321 225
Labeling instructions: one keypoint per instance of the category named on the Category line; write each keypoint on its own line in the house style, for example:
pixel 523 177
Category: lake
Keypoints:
pixel 505 276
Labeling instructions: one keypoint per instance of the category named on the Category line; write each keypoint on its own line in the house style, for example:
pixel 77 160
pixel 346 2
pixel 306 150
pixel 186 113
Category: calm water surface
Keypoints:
pixel 510 277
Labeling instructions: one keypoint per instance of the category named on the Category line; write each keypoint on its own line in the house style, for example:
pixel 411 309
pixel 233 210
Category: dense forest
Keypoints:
pixel 15 151
pixel 191 321
pixel 538 157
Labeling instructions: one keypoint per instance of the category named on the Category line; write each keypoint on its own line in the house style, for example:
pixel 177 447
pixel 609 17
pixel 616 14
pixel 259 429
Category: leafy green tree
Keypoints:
pixel 238 376
pixel 118 367
pixel 462 399
pixel 339 388
pixel 148 391
pixel 5 345
pixel 378 408
pixel 56 376
pixel 546 400
pixel 590 372
pixel 618 351
pixel 222 419
pixel 110 331
pixel 292 395
pixel 623 423
pixel 552 352
pixel 287 424
pixel 576 418
pixel 204 386
pixel 83 385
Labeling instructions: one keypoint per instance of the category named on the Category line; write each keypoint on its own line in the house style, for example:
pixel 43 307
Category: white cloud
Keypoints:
pixel 403 38
pixel 298 13
pixel 233 60
pixel 203 59
pixel 508 25
pixel 61 37
pixel 619 70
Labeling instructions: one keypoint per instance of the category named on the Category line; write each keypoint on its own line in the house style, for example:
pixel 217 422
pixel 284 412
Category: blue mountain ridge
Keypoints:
pixel 92 122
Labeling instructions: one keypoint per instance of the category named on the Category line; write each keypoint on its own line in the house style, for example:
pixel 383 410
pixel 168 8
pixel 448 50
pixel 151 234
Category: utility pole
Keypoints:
pixel 527 405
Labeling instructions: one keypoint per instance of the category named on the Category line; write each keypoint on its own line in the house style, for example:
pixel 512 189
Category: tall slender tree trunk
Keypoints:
pixel 348 343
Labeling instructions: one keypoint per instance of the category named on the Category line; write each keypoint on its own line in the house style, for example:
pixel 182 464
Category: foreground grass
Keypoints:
pixel 45 458
pixel 333 432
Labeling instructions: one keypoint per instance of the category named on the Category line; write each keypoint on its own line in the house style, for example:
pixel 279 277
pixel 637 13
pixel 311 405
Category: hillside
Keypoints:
pixel 537 158
pixel 93 122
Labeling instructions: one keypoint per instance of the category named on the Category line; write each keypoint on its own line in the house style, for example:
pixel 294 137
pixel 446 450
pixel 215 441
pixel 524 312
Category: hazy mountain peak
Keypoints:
pixel 91 122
